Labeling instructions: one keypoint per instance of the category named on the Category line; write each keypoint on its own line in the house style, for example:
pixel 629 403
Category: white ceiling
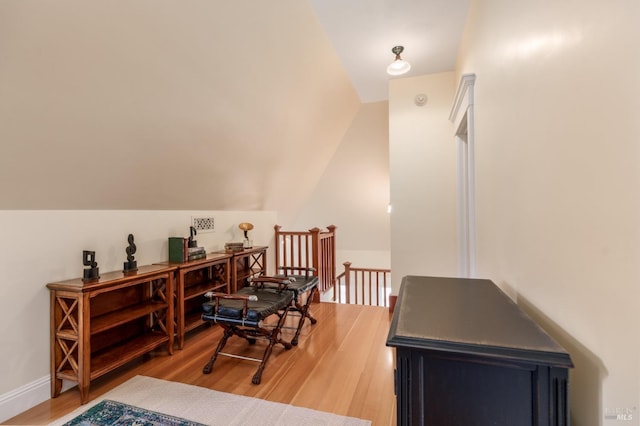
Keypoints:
pixel 364 31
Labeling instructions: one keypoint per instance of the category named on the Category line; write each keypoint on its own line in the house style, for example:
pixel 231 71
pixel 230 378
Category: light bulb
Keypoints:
pixel 398 67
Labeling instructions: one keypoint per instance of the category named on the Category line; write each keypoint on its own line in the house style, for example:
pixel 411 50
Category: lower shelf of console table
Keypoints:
pixel 99 326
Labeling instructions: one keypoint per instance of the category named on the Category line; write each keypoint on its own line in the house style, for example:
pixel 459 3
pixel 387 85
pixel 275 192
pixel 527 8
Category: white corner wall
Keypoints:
pixel 557 147
pixel 422 157
pixel 39 247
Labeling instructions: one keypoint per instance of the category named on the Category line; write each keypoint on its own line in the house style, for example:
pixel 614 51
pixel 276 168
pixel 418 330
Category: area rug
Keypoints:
pixel 112 413
pixel 190 403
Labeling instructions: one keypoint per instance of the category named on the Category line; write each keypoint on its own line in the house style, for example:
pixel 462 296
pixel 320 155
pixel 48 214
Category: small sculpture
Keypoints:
pixel 92 273
pixel 192 232
pixel 130 265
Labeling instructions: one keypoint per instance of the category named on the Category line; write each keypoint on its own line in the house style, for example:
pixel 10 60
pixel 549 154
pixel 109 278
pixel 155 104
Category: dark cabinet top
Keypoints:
pixel 472 317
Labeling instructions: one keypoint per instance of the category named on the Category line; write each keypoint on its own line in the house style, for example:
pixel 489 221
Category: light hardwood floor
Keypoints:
pixel 341 365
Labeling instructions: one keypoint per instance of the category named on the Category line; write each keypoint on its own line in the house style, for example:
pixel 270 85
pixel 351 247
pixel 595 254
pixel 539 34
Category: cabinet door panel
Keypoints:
pixel 466 393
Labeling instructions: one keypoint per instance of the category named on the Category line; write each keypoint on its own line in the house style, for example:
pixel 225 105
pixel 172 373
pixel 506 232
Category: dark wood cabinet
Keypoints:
pixel 98 326
pixel 467 355
pixel 192 280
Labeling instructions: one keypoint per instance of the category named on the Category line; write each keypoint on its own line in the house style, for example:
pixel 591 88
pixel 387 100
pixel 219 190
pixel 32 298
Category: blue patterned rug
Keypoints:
pixel 116 413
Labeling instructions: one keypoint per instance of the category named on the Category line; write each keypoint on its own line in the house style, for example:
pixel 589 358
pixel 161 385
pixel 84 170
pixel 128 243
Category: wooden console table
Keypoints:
pixel 101 325
pixel 466 354
pixel 193 280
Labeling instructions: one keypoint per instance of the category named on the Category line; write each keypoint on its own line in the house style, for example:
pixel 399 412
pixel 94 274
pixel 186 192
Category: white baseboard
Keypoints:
pixel 25 397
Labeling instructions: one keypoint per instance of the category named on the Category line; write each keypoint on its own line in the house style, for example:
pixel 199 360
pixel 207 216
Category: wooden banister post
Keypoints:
pixel 347 281
pixel 316 249
pixel 277 257
pixel 315 261
pixel 334 269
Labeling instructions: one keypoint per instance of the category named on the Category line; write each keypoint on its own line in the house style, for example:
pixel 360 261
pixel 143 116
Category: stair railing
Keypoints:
pixel 363 286
pixel 314 248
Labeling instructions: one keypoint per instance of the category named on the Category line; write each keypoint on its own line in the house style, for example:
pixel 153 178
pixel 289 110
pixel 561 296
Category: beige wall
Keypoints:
pixel 353 192
pixel 558 172
pixel 162 104
pixel 422 154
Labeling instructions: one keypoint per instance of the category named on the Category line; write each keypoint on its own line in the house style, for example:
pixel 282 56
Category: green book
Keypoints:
pixel 176 249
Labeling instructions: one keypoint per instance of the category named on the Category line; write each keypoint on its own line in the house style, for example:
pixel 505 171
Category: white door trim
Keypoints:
pixel 462 117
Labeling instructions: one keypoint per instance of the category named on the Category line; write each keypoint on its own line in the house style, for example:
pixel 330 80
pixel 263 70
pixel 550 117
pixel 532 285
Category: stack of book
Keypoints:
pixel 194 253
pixel 179 250
pixel 233 247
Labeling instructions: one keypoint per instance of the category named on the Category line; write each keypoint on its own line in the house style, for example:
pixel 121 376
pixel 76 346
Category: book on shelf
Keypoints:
pixel 195 250
pixel 177 249
pixel 180 252
pixel 197 256
pixel 233 247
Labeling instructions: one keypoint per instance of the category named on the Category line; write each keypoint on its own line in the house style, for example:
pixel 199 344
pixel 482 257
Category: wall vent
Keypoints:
pixel 203 224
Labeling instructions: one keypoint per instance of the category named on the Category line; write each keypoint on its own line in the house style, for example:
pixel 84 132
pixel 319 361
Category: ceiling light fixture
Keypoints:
pixel 399 66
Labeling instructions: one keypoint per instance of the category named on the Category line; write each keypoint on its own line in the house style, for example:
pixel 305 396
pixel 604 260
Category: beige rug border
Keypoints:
pixel 212 407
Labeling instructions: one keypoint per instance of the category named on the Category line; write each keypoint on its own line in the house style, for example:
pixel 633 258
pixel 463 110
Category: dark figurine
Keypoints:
pixel 192 242
pixel 89 259
pixel 130 265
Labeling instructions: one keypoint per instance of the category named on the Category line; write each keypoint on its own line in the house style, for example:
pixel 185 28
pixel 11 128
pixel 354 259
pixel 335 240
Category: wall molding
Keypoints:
pixel 462 117
pixel 463 99
pixel 27 396
pixel 21 399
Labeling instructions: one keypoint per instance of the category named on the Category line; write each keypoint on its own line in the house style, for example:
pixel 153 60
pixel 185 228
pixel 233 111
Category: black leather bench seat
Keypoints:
pixel 268 302
pixel 300 284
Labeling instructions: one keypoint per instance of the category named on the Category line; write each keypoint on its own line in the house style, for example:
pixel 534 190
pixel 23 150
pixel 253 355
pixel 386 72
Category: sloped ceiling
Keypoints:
pixel 163 104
